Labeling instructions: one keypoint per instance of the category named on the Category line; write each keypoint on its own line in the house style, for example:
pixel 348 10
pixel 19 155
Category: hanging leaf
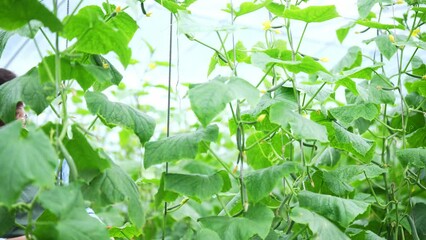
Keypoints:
pixel 177 147
pixel 85 74
pixel 343 31
pixel 70 221
pixel 261 182
pixel 257 220
pixel 342 139
pixel 346 115
pixel 412 156
pixel 15 14
pixel 209 99
pixel 248 7
pixel 319 225
pixel 243 90
pixel 365 6
pixel 114 113
pixel 377 25
pixel 339 210
pixel 312 13
pixel 96 36
pixel 20 148
pixel 194 185
pixel 87 160
pixel 385 46
pixel 170 5
pixel 302 128
pixel 353 58
pixel 28 89
pixel 114 186
pixel 276 9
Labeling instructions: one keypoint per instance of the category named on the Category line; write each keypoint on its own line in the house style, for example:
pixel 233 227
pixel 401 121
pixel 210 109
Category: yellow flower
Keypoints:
pixel 399 1
pixel 261 118
pixel 262 91
pixel 266 25
pixel 152 65
pixel 324 59
pixel 424 77
pixel 391 38
pixel 105 65
pixel 118 9
pixel 415 32
pixel 277 31
pixel 148 14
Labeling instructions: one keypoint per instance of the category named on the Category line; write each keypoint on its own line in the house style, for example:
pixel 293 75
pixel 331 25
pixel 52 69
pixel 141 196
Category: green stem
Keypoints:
pixel 70 161
pixel 313 96
pixel 220 160
pixel 301 38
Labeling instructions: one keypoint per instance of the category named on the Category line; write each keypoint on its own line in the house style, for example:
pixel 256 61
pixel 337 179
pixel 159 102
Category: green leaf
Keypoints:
pixel 417 138
pixel 339 180
pixel 88 161
pixel 346 115
pixel 372 91
pixel 343 31
pixel 261 182
pixel 126 231
pixel 114 186
pixel 319 225
pixel 28 89
pixel 329 157
pixel 385 46
pixel 4 37
pixel 20 149
pixel 257 220
pixel 114 113
pixel 307 65
pixel 353 58
pixel 71 221
pixel 302 128
pixel 418 214
pixel 362 72
pixel 339 210
pixel 171 5
pixel 248 7
pixel 207 234
pixel 418 86
pixel 181 146
pixel 412 156
pixel 377 25
pixel 364 7
pixel 194 185
pixel 209 99
pixel 342 139
pixel 243 90
pixel 15 14
pixel 85 74
pixel 96 36
pixel 312 13
pixel 276 9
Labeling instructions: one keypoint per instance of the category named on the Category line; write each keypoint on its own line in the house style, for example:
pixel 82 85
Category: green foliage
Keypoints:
pixel 299 149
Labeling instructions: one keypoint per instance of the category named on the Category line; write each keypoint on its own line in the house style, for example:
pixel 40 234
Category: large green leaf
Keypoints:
pixel 346 115
pixel 28 89
pixel 85 74
pixel 87 160
pixel 209 99
pixel 385 46
pixel 377 25
pixel 302 128
pixel 312 13
pixel 341 138
pixel 364 7
pixel 319 225
pixel 114 186
pixel 243 90
pixel 353 58
pixel 261 182
pixel 70 220
pixel 170 5
pixel 26 157
pixel 114 113
pixel 339 210
pixel 182 146
pixel 418 213
pixel 307 65
pixel 339 180
pixel 417 138
pixel 373 91
pixel 257 220
pixel 96 36
pixel 4 37
pixel 248 7
pixel 15 14
pixel 194 185
pixel 412 156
